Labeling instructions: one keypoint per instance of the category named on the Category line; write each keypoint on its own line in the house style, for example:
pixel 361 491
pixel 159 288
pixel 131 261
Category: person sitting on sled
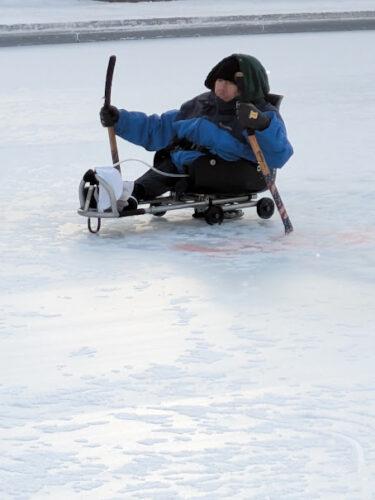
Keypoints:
pixel 213 123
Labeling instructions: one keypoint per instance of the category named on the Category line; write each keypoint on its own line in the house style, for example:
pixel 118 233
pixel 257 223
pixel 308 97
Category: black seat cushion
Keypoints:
pixel 211 174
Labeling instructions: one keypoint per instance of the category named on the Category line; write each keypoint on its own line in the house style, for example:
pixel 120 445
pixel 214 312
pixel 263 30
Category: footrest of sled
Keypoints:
pixel 137 211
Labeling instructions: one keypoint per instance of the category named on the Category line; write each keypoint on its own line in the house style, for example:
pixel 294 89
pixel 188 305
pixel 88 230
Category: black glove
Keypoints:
pixel 250 117
pixel 109 115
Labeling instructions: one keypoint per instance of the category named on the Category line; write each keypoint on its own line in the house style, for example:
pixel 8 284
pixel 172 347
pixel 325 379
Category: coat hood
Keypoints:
pixel 255 79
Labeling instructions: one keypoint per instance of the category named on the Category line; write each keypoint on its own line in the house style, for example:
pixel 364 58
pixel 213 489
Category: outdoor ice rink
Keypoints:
pixel 165 358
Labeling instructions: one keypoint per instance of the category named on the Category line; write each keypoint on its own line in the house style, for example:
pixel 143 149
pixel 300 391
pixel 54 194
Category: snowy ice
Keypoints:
pixel 165 358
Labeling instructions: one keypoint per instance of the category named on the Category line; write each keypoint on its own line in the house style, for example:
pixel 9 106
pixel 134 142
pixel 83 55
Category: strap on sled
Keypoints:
pixel 98 224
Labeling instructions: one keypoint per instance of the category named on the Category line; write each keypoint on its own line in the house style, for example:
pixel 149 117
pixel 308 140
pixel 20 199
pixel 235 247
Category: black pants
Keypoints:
pixel 152 184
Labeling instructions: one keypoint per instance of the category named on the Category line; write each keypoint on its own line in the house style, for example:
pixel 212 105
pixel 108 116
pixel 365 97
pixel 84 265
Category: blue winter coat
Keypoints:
pixel 208 123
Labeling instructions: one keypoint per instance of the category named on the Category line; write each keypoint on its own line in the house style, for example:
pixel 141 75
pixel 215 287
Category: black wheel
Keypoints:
pixel 265 208
pixel 158 214
pixel 214 215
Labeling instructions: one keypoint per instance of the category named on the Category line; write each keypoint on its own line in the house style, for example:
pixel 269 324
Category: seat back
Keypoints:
pixel 274 99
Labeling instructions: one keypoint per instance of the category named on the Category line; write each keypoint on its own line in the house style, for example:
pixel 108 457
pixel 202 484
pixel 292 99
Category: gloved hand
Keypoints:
pixel 250 117
pixel 109 116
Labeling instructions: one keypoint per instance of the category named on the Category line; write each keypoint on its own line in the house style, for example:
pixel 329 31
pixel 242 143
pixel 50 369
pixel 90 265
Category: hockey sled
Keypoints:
pixel 213 198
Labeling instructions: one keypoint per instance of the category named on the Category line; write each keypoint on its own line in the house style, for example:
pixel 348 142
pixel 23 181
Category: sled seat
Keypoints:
pixel 212 175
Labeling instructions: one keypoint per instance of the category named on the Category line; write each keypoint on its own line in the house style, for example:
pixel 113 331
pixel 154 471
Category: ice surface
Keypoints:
pixel 44 11
pixel 165 358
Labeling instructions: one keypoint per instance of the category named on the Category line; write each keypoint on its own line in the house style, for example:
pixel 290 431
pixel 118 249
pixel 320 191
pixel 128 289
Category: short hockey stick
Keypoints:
pixel 107 102
pixel 270 183
pixel 258 153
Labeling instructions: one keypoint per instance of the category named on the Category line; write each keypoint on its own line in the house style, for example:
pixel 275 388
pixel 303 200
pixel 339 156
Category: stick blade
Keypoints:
pixel 288 226
pixel 108 80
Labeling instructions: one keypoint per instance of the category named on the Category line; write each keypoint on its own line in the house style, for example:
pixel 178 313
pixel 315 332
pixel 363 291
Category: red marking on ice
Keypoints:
pixel 356 237
pixel 189 247
pixel 279 244
pixel 228 249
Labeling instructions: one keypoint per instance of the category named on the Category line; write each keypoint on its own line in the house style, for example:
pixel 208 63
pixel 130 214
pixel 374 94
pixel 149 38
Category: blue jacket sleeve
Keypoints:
pixel 274 143
pixel 152 132
pixel 219 141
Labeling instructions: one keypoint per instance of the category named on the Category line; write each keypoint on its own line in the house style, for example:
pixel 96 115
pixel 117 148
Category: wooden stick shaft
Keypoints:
pixel 259 155
pixel 270 183
pixel 113 146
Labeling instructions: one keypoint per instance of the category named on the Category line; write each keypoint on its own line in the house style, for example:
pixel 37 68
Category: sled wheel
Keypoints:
pixel 158 214
pixel 265 208
pixel 214 215
pixel 98 224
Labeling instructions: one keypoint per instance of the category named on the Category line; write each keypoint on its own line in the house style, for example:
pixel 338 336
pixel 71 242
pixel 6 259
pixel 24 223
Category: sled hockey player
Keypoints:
pixel 214 124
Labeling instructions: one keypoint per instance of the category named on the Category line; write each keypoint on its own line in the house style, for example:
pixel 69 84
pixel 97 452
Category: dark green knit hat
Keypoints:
pixel 255 79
